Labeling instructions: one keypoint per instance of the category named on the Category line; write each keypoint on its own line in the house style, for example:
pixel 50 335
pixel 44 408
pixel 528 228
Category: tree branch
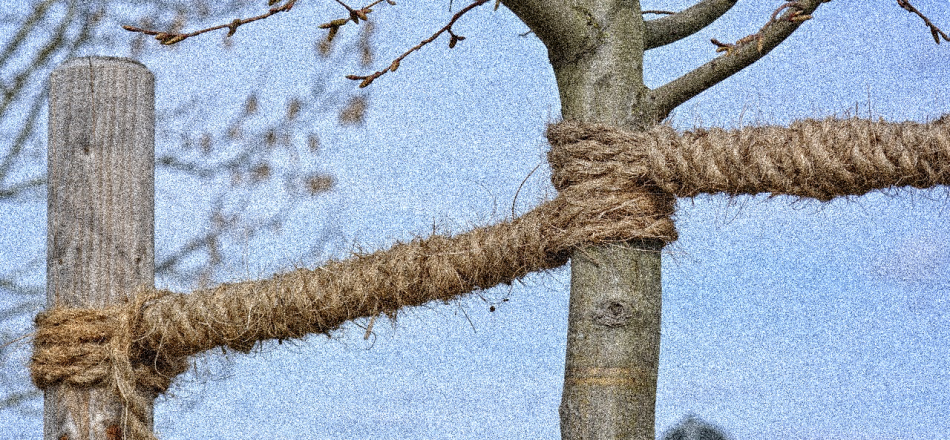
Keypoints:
pixel 934 30
pixel 169 38
pixel 366 80
pixel 19 188
pixel 555 23
pixel 666 30
pixel 738 56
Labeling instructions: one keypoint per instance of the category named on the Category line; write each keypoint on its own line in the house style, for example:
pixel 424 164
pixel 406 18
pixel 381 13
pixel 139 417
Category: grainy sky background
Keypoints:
pixel 782 318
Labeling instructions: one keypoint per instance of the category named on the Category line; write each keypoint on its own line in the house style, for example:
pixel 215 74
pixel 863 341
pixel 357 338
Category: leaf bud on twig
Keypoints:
pixel 232 28
pixel 334 23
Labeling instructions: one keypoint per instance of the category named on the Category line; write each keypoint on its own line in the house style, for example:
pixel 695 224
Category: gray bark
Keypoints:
pixel 613 343
pixel 596 50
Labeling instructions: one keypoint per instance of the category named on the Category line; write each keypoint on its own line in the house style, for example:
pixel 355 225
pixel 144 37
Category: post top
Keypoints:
pixel 100 61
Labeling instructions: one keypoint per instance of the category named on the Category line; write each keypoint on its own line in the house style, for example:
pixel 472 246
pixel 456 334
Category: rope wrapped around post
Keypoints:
pixel 613 186
pixel 94 347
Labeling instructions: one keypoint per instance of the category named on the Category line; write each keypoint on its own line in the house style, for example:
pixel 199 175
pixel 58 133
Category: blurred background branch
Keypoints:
pixel 264 154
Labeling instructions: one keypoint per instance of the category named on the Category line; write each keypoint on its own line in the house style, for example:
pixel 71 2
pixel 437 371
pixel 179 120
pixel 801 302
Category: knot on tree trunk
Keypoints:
pixel 604 201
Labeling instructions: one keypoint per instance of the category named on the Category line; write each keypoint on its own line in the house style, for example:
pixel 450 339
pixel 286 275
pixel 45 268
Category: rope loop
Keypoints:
pixel 605 201
pixel 83 347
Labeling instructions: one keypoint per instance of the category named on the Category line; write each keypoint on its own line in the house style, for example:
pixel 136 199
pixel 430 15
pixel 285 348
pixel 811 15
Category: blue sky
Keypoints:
pixel 782 318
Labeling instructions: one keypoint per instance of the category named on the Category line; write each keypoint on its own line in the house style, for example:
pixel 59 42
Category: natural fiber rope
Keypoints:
pixel 614 186
pixel 94 347
pixel 821 159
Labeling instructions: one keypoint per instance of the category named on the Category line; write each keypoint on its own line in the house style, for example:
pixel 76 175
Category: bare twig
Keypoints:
pixel 169 38
pixel 355 16
pixel 366 80
pixel 794 16
pixel 657 12
pixel 515 199
pixel 934 30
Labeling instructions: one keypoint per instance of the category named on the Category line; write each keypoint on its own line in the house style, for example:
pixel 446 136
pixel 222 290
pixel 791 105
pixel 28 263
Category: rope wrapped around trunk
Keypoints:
pixel 613 186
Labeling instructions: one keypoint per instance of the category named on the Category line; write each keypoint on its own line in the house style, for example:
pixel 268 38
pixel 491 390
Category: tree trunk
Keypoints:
pixel 613 342
pixel 100 240
pixel 596 50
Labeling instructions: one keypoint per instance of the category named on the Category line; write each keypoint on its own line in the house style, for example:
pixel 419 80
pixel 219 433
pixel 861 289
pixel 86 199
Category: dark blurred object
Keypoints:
pixel 692 427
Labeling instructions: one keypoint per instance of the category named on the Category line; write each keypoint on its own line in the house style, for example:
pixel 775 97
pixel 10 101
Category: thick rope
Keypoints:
pixel 95 347
pixel 821 159
pixel 613 186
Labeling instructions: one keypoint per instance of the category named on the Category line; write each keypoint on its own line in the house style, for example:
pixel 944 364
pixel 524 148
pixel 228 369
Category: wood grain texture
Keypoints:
pixel 100 237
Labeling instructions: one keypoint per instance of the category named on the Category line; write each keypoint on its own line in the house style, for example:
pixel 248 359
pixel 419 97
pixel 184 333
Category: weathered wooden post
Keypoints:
pixel 100 238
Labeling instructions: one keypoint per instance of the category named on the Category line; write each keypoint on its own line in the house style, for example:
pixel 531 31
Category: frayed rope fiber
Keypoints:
pixel 613 186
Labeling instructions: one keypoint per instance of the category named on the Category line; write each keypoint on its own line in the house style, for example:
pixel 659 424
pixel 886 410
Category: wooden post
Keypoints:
pixel 100 237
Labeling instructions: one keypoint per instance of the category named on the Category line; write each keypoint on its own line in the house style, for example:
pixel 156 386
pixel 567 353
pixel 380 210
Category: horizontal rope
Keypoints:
pixel 820 159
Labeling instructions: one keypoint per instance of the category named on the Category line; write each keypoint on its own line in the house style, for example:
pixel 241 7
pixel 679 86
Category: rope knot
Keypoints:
pixel 606 200
pixel 95 348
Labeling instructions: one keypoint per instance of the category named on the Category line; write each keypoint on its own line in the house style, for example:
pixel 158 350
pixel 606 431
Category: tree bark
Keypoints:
pixel 596 49
pixel 100 239
pixel 613 343
pixel 614 319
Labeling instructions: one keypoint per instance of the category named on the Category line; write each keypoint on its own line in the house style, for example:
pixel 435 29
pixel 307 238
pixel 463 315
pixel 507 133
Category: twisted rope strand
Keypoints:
pixel 820 159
